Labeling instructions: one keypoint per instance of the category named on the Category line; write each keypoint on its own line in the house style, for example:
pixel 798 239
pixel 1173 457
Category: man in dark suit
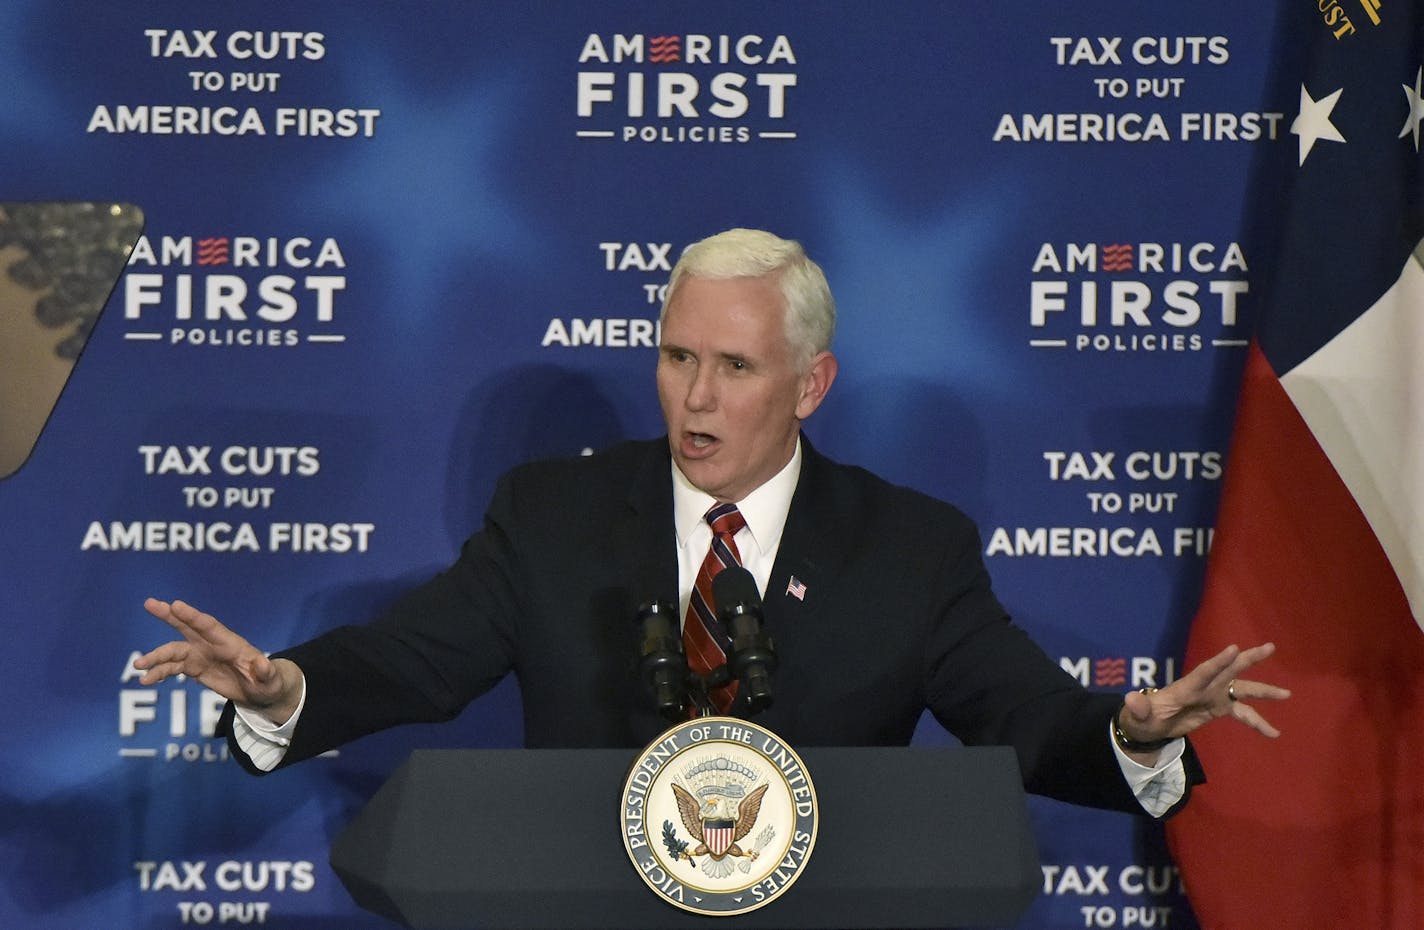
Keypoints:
pixel 877 595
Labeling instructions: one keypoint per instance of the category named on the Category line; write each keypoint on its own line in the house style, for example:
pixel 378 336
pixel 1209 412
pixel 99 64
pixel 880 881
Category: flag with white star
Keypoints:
pixel 1320 539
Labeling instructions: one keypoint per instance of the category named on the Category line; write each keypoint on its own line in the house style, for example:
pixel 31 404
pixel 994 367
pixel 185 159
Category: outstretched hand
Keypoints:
pixel 1213 689
pixel 221 660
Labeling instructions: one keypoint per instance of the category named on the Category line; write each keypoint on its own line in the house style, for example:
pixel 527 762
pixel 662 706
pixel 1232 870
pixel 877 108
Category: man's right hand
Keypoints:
pixel 221 660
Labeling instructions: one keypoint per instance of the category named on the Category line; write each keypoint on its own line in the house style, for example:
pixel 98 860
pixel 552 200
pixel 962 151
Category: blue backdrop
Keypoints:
pixel 390 252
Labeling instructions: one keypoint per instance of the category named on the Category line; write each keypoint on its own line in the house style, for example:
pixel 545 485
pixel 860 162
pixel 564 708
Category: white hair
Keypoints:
pixel 753 253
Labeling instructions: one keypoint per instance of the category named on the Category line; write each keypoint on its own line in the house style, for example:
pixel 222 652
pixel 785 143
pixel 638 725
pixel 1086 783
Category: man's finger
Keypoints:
pixel 164 611
pixel 1250 657
pixel 160 673
pixel 1208 671
pixel 261 670
pixel 1239 663
pixel 201 623
pixel 1253 655
pixel 1138 705
pixel 168 652
pixel 186 619
pixel 161 670
pixel 1246 690
pixel 205 629
pixel 1249 716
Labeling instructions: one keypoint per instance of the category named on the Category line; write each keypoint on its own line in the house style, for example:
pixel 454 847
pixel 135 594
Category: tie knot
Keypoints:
pixel 725 519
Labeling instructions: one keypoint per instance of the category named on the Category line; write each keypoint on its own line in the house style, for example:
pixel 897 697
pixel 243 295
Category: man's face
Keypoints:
pixel 730 394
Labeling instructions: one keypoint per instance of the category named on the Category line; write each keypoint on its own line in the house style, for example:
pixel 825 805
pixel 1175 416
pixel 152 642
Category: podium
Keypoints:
pixel 907 837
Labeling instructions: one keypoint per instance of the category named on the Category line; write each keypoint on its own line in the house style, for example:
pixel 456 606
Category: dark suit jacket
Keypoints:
pixel 897 616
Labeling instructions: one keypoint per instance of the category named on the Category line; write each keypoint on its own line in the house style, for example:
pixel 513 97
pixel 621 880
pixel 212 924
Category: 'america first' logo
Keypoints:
pixel 1110 297
pixel 1121 671
pixel 694 88
pixel 233 291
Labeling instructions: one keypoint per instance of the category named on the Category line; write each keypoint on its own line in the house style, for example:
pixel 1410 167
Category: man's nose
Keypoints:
pixel 702 392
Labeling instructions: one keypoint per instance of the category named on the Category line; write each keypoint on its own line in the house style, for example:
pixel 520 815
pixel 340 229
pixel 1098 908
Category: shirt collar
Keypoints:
pixel 764 509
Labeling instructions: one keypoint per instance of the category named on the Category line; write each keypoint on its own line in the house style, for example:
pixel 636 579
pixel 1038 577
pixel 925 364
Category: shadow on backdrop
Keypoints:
pixel 526 413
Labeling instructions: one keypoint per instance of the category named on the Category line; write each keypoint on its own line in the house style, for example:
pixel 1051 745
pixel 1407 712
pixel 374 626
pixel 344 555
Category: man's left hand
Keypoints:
pixel 1213 689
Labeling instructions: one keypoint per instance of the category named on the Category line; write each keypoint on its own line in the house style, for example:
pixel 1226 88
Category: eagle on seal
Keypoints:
pixel 715 824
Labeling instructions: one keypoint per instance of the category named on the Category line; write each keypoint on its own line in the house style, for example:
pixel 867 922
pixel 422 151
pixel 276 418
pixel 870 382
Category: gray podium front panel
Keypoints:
pixel 913 837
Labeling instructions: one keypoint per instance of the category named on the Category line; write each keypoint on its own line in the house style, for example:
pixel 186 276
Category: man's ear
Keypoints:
pixel 816 383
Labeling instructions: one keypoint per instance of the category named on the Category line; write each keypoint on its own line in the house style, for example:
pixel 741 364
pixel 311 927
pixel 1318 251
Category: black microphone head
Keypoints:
pixel 663 609
pixel 660 660
pixel 735 585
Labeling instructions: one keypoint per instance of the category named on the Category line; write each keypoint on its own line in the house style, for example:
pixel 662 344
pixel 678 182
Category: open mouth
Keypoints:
pixel 696 443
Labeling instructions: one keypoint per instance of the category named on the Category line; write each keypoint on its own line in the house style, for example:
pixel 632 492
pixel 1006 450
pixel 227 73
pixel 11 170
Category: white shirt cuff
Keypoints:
pixel 264 741
pixel 1157 787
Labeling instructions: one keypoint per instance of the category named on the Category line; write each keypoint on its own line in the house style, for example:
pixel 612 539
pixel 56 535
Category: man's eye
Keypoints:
pixel 737 364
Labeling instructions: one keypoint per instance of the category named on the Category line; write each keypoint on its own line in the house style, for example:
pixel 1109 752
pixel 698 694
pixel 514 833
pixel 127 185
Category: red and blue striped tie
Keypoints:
pixel 703 637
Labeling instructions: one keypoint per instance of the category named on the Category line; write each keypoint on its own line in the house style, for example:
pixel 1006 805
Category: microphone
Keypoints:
pixel 661 664
pixel 753 657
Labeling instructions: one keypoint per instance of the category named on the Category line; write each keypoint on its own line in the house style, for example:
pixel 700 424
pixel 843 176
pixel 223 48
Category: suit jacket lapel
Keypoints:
pixel 813 544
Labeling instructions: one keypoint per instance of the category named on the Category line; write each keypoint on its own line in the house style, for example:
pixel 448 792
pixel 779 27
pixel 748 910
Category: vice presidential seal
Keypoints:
pixel 719 816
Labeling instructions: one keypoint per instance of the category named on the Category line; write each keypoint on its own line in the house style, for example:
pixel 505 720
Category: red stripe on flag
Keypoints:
pixel 1325 826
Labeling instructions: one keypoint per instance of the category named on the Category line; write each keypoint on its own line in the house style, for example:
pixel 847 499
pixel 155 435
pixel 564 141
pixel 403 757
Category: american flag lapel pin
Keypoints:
pixel 796 588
